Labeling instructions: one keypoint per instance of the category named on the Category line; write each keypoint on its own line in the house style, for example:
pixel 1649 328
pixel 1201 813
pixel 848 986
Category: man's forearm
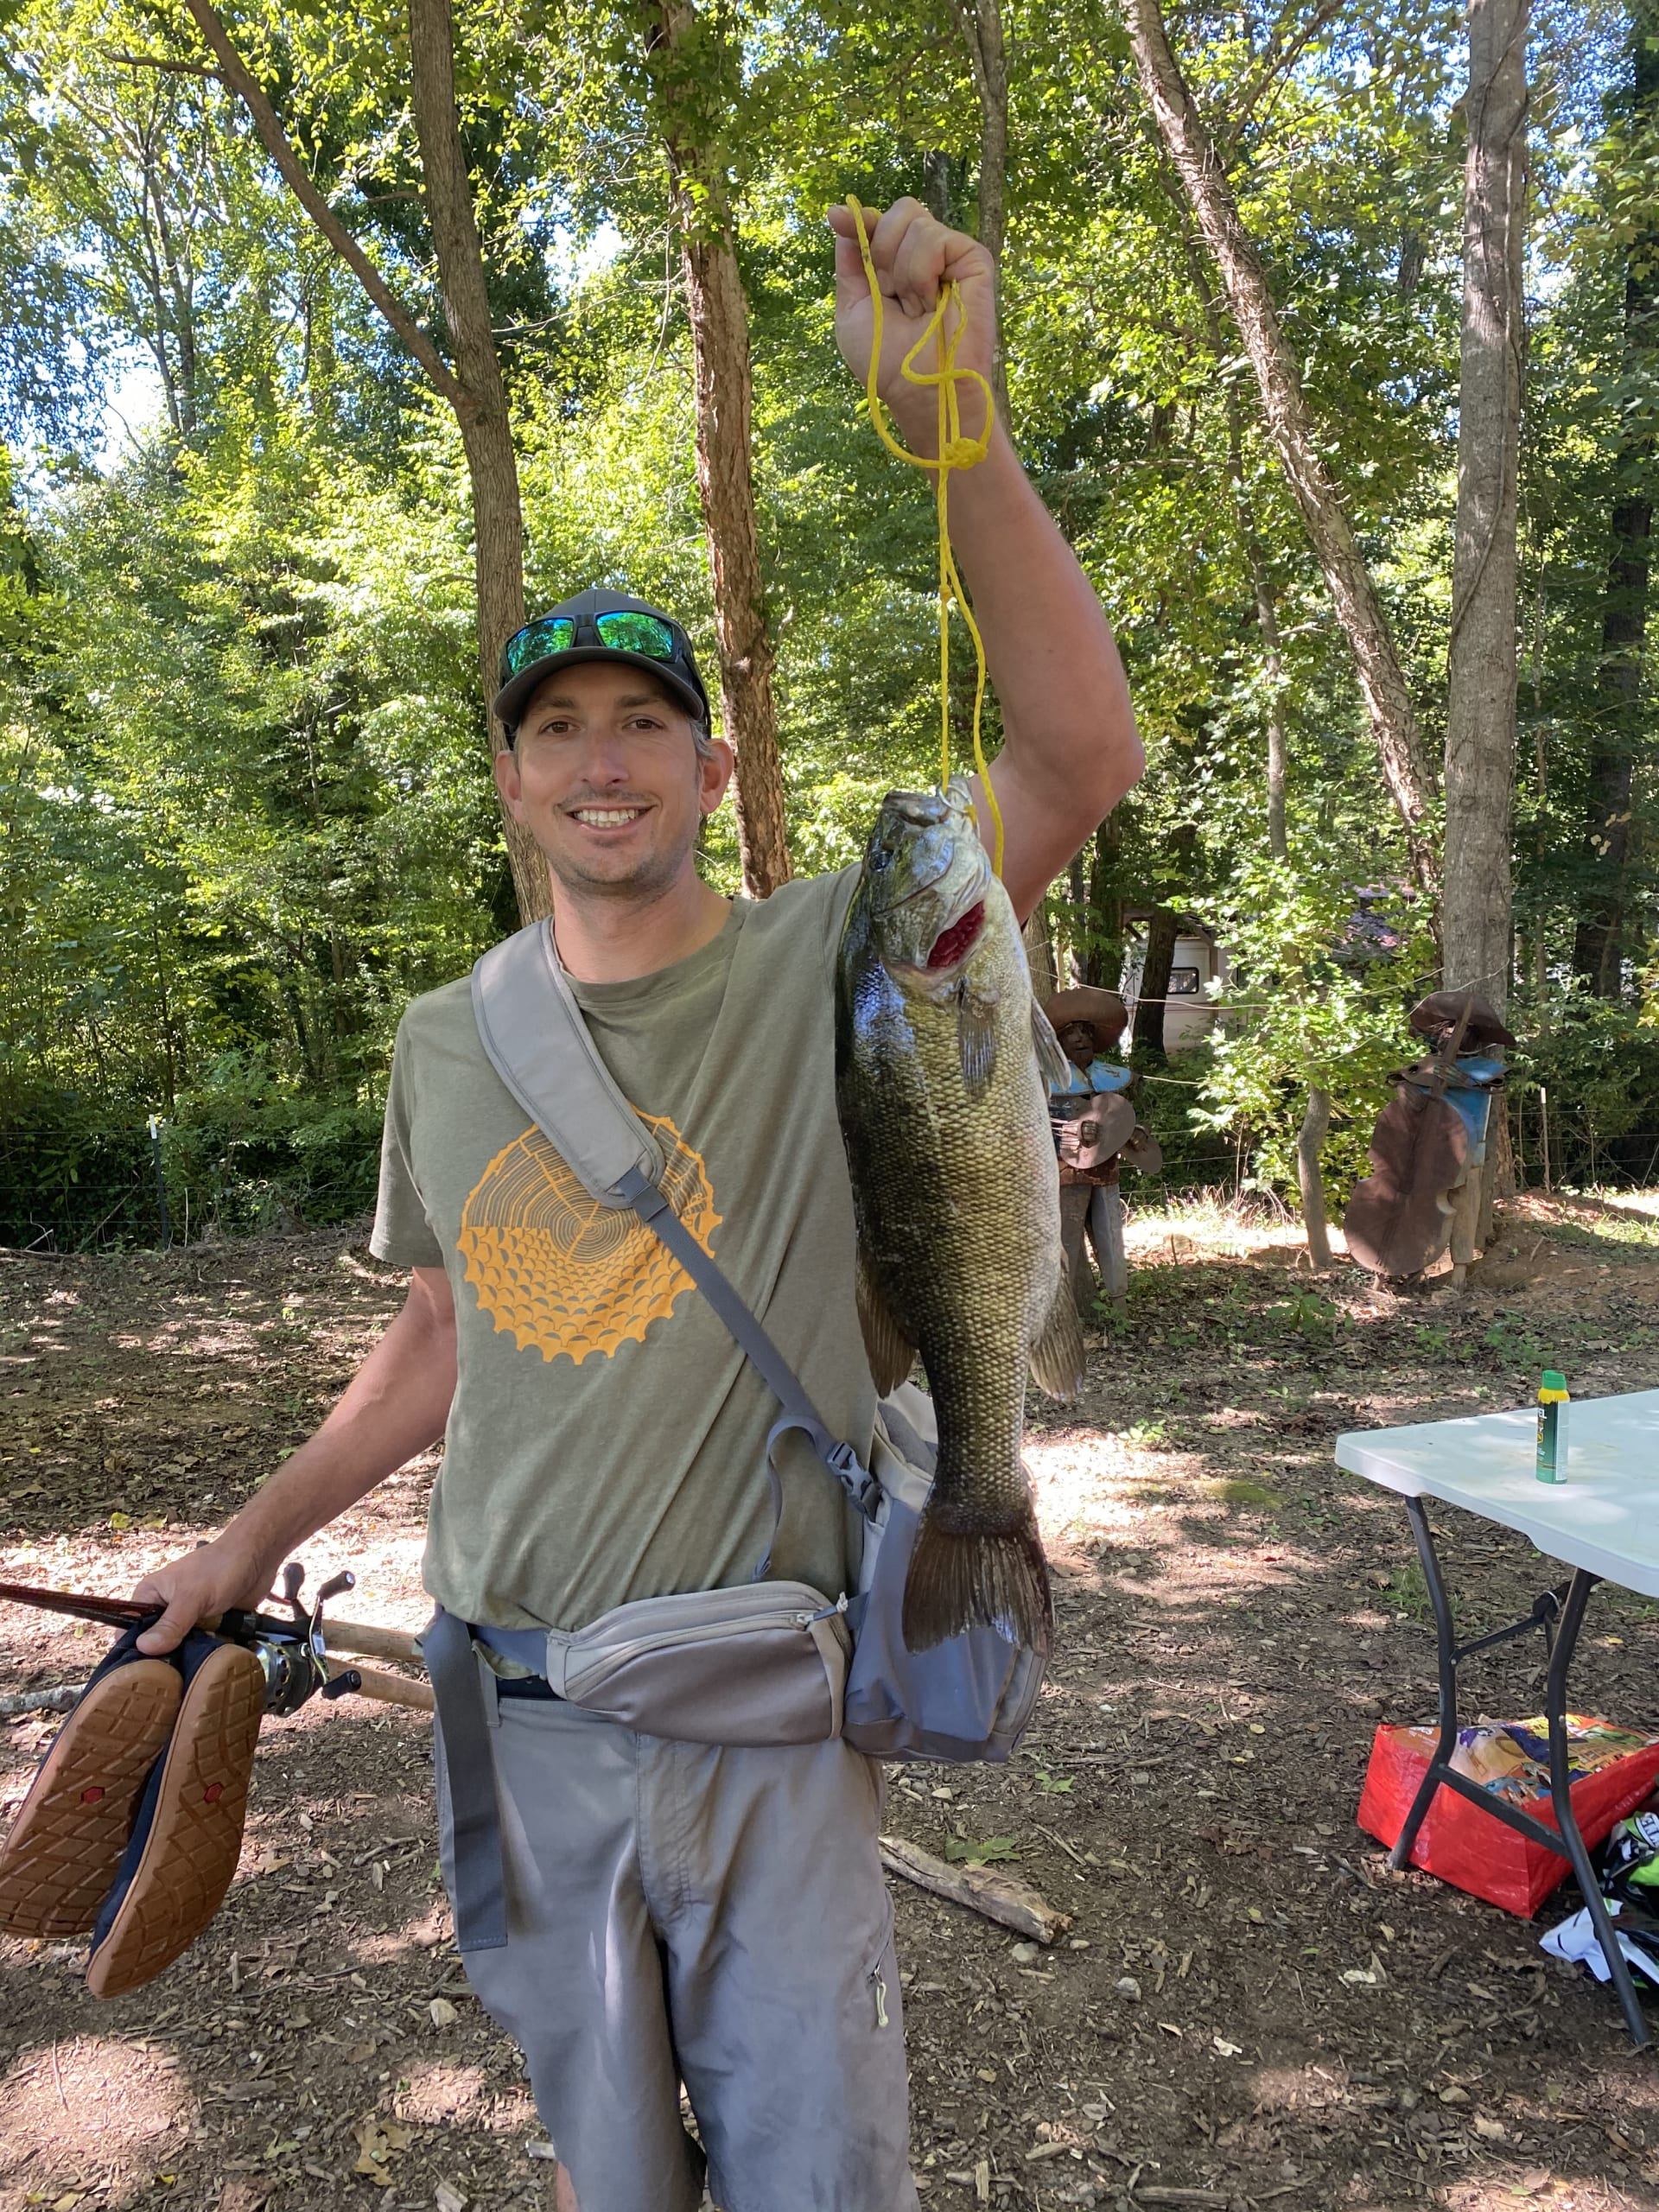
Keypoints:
pixel 1070 749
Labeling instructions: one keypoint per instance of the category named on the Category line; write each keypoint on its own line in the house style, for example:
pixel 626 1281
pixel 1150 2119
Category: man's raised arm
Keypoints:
pixel 1071 750
pixel 395 1406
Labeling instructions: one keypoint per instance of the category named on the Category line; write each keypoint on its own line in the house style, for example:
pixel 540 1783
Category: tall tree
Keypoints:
pixel 1296 437
pixel 1475 910
pixel 981 24
pixel 474 387
pixel 691 64
pixel 1599 939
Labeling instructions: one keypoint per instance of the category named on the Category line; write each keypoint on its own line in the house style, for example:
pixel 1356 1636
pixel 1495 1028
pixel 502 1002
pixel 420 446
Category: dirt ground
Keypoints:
pixel 1248 2008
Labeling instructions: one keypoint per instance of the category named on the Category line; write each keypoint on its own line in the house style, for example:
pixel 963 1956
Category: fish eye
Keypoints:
pixel 882 856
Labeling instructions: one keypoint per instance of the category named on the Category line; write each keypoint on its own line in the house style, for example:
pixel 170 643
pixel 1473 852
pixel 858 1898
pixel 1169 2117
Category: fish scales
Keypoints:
pixel 944 1118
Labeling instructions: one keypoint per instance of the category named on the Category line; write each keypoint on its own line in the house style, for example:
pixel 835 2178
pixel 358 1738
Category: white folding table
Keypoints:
pixel 1602 1522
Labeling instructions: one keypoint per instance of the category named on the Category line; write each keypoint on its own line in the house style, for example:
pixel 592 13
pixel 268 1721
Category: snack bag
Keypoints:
pixel 1612 1769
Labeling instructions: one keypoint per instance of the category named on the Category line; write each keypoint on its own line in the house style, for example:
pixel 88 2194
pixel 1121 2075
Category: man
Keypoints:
pixel 678 1913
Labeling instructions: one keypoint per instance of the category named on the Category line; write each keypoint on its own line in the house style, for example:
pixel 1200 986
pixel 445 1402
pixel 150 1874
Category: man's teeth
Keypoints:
pixel 608 817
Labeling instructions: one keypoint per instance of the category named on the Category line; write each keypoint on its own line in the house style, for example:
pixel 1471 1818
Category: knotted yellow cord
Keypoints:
pixel 956 452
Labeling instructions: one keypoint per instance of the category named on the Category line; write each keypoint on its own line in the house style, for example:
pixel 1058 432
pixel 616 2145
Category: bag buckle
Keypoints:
pixel 856 1479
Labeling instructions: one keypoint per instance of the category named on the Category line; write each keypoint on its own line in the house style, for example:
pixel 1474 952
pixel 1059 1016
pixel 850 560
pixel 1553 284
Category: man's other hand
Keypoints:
pixel 199 1587
pixel 915 257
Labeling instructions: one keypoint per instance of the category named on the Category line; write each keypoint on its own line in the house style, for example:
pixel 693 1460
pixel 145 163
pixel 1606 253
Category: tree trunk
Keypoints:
pixel 1597 949
pixel 681 46
pixel 498 528
pixel 1151 1002
pixel 1381 679
pixel 481 412
pixel 1039 955
pixel 1477 924
pixel 936 184
pixel 1103 944
pixel 981 24
pixel 1310 1142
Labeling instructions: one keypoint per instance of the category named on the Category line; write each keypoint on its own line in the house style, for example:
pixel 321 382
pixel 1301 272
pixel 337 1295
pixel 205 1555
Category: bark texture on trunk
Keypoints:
pixel 1310 1143
pixel 1598 948
pixel 1103 959
pixel 1040 957
pixel 683 51
pixel 982 32
pixel 1476 924
pixel 481 410
pixel 476 393
pixel 1381 679
pixel 1151 1000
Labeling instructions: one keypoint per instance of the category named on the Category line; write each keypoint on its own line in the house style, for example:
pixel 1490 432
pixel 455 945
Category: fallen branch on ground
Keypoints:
pixel 373 1642
pixel 385 1690
pixel 999 1896
pixel 42 1701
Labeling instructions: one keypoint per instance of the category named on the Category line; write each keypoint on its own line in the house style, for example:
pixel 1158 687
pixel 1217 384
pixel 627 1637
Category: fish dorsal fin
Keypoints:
pixel 1056 1068
pixel 1056 1360
pixel 976 1039
pixel 890 1352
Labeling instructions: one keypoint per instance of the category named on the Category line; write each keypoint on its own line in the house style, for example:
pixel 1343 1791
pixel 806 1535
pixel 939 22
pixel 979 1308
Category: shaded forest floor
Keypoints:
pixel 1234 1616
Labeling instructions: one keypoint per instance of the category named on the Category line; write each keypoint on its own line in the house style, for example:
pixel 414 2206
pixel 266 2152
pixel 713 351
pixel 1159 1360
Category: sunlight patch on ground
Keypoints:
pixel 1085 1485
pixel 438 2089
pixel 94 2113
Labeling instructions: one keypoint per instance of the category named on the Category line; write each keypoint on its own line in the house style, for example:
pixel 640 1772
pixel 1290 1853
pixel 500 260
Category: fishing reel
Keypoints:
pixel 292 1654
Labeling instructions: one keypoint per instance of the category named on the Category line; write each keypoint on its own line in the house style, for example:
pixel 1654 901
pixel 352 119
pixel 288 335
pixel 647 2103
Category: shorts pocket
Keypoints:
pixel 881 1986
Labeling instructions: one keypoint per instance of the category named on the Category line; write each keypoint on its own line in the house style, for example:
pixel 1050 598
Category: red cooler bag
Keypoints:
pixel 1613 1771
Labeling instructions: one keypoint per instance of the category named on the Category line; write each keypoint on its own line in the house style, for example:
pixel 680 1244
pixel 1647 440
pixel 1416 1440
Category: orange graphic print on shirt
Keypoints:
pixel 564 1273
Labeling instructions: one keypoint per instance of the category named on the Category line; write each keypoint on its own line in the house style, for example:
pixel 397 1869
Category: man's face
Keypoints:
pixel 607 779
pixel 1077 1043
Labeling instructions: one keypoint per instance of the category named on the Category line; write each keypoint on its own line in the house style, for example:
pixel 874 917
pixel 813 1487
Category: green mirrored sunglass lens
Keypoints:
pixel 536 640
pixel 637 634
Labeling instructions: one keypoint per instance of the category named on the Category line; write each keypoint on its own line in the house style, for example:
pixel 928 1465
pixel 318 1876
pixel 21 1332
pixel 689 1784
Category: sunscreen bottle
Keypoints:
pixel 1551 1464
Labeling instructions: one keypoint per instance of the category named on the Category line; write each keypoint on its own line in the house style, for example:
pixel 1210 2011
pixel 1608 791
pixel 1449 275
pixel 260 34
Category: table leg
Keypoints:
pixel 1560 1659
pixel 1445 1642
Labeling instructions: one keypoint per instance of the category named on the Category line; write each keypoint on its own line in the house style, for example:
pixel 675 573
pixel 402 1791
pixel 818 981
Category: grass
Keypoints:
pixel 1237 1489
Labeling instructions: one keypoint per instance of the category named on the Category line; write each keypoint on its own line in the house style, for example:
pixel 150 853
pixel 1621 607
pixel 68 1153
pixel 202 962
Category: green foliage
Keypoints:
pixel 245 808
pixel 1325 965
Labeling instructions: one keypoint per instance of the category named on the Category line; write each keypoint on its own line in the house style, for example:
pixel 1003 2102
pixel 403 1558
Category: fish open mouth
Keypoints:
pixel 954 944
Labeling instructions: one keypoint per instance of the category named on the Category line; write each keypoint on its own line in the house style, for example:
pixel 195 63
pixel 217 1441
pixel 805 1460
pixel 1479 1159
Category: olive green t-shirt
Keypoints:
pixel 607 1439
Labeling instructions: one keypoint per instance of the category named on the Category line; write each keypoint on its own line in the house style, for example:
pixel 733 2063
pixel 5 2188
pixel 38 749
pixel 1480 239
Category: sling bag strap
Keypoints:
pixel 477 1875
pixel 533 1031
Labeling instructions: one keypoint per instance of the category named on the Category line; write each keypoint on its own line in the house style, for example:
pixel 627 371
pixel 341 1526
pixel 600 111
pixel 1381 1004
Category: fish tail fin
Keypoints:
pixel 975 1581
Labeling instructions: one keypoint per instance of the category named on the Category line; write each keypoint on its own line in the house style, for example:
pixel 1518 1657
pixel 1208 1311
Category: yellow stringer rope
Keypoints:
pixel 956 452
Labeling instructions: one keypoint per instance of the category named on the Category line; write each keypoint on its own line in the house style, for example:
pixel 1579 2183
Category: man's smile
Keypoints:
pixel 606 817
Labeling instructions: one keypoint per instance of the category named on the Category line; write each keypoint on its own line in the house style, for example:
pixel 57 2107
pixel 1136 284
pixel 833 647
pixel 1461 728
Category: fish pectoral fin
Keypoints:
pixel 976 1039
pixel 1057 1069
pixel 1058 1358
pixel 890 1352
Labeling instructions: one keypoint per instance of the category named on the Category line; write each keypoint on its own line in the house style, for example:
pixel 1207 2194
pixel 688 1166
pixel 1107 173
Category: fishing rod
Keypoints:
pixel 292 1652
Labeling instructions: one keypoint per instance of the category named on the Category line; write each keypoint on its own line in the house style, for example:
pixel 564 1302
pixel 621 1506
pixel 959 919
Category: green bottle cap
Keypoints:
pixel 1553 1381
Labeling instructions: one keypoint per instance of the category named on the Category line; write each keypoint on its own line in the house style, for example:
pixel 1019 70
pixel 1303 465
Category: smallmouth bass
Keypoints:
pixel 943 1111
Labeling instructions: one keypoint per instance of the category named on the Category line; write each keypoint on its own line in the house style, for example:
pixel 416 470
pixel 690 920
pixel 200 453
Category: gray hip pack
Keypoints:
pixel 767 1662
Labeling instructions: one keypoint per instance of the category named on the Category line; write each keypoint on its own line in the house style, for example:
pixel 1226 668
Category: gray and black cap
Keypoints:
pixel 598 626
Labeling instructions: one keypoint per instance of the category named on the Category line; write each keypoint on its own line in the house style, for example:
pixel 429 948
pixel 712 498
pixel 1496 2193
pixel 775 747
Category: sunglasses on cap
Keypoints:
pixel 652 636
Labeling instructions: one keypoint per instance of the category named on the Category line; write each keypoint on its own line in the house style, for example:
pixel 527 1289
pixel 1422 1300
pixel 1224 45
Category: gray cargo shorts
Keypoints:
pixel 685 1912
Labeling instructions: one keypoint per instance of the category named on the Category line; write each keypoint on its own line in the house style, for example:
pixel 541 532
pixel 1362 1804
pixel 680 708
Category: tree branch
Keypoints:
pixel 235 73
pixel 163 62
pixel 1281 58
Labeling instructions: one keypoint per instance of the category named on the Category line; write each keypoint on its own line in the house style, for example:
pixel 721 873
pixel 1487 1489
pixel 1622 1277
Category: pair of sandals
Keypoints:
pixel 132 1828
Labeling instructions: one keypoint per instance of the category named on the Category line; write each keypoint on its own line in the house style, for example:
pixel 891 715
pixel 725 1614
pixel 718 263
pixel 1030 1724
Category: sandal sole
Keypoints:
pixel 64 1848
pixel 196 1837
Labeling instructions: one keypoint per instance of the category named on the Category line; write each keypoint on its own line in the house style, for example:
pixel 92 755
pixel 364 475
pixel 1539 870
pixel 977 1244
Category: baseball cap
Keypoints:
pixel 598 626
